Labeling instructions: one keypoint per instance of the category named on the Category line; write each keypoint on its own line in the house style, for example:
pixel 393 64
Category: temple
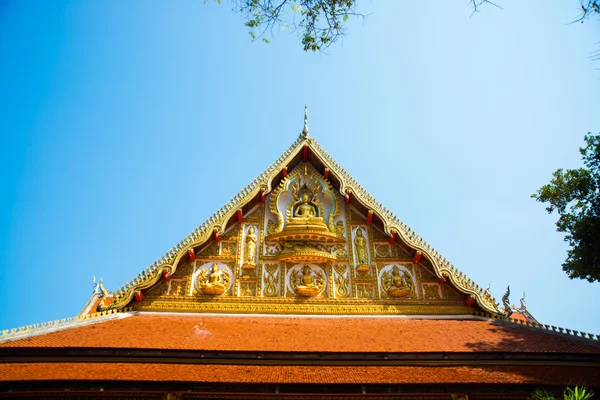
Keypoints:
pixel 302 286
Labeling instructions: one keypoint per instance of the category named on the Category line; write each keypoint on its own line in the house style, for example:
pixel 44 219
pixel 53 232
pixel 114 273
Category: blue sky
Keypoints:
pixel 125 125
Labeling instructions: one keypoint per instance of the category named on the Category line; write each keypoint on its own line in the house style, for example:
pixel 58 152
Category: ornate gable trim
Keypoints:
pixel 215 225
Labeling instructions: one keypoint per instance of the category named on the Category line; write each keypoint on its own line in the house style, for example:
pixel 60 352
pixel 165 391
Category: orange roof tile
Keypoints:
pixel 300 374
pixel 308 334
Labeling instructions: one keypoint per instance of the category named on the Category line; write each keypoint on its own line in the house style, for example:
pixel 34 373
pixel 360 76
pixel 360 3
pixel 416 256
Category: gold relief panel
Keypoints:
pixel 341 278
pixel 273 249
pixel 360 244
pixel 214 279
pixel 396 281
pixel 364 290
pixel 306 280
pixel 305 201
pixel 432 291
pixel 383 250
pixel 228 249
pixel 249 255
pixel 340 230
pixel 271 276
pixel 177 287
pixel 247 289
pixel 247 274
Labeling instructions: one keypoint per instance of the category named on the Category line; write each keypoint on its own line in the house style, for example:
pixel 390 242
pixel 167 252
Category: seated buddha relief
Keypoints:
pixel 305 210
pixel 305 206
pixel 212 280
pixel 307 282
pixel 397 282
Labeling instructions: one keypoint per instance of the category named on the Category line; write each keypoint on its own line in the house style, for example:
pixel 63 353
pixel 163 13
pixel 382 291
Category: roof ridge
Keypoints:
pixel 22 332
pixel 550 329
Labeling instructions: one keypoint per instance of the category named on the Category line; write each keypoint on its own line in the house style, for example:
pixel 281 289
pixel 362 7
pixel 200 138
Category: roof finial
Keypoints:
pixel 305 130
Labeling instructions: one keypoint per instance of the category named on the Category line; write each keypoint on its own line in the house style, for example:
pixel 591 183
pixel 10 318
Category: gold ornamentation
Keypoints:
pixel 397 283
pixel 250 249
pixel 210 250
pixel 305 251
pixel 227 249
pixel 307 282
pixel 305 214
pixel 360 243
pixel 364 290
pixel 178 288
pixel 341 281
pixel 168 264
pixel 272 249
pixel 339 229
pixel 431 291
pixel 271 280
pixel 382 250
pixel 212 281
pixel 271 227
pixel 248 289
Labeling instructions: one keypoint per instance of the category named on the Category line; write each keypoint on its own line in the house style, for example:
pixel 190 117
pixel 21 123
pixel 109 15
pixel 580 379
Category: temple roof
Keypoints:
pixel 342 334
pixel 232 374
pixel 253 349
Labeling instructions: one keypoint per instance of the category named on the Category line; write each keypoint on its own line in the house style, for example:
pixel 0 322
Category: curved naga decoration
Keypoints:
pixel 506 302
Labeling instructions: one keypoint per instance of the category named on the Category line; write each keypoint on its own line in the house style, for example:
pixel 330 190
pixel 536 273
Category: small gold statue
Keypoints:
pixel 339 228
pixel 360 244
pixel 213 282
pixel 308 283
pixel 397 283
pixel 250 253
pixel 177 291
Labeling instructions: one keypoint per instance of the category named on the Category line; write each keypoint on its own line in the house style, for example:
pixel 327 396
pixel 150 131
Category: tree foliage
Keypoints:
pixel 575 195
pixel 323 22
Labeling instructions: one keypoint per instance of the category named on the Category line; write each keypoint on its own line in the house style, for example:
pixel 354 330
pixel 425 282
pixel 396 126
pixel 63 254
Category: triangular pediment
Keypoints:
pixel 303 237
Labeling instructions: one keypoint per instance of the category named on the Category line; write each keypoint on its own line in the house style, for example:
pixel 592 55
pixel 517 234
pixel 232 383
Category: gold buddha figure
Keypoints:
pixel 250 251
pixel 360 244
pixel 306 280
pixel 215 278
pixel 212 281
pixel 305 211
pixel 397 283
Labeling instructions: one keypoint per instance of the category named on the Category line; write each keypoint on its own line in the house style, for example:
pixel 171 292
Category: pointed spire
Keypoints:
pixel 305 130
